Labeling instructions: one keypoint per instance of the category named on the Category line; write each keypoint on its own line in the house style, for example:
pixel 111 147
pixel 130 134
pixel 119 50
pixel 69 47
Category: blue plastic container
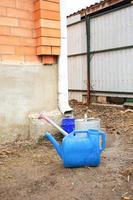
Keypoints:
pixel 80 148
pixel 83 148
pixel 68 124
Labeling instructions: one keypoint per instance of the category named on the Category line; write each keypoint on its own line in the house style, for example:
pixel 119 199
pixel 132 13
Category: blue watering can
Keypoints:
pixel 80 148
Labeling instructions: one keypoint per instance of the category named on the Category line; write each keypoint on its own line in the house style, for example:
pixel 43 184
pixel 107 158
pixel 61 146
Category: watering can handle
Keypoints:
pixel 80 131
pixel 103 145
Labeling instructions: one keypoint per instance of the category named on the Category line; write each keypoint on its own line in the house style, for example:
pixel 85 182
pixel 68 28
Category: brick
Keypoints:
pixel 48 41
pixel 8 3
pixel 102 99
pixel 44 50
pixel 55 50
pixel 4 30
pixel 25 24
pixel 8 40
pixel 29 51
pixel 7 49
pixel 8 21
pixel 47 14
pixel 28 42
pixel 25 5
pixel 57 1
pixel 21 32
pixel 2 11
pixel 11 12
pixel 12 58
pixel 49 60
pixel 41 4
pixel 47 32
pixel 34 33
pixel 45 23
pixel 32 59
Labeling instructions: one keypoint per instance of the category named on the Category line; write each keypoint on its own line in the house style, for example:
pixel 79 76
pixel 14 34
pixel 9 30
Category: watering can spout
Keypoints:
pixel 56 145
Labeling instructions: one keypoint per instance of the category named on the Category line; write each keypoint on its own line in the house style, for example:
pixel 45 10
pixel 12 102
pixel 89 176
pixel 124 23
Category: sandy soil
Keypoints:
pixel 35 172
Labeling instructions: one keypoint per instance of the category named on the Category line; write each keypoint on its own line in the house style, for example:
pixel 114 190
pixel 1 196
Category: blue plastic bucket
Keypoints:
pixel 68 124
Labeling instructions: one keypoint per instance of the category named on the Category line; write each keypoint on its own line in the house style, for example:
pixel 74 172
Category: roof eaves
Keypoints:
pixel 96 7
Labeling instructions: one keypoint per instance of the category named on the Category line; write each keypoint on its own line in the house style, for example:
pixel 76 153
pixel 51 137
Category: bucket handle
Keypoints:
pixel 103 145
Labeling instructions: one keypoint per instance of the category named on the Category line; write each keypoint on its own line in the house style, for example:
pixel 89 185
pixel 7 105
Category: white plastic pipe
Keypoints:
pixel 44 117
pixel 63 66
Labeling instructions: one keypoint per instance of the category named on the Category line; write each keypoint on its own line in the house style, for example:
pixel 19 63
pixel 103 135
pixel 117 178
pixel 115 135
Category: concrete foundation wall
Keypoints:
pixel 75 95
pixel 24 89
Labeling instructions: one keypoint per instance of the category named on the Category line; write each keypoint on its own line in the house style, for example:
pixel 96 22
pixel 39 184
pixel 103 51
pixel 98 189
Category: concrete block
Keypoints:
pixel 93 99
pixel 102 99
pixel 38 128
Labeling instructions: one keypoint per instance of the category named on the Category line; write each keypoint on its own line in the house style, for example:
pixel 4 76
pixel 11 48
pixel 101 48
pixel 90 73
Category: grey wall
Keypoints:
pixel 24 88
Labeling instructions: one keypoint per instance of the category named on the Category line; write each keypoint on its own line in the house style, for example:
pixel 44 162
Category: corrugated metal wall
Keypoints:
pixel 77 65
pixel 112 30
pixel 77 42
pixel 111 69
pixel 77 71
pixel 73 19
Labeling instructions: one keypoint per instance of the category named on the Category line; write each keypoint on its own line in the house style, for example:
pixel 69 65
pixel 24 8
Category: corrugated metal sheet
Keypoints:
pixel 112 71
pixel 112 30
pixel 73 19
pixel 77 42
pixel 77 72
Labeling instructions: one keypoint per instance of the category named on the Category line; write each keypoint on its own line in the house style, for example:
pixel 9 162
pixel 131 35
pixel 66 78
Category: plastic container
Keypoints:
pixel 86 124
pixel 80 148
pixel 68 124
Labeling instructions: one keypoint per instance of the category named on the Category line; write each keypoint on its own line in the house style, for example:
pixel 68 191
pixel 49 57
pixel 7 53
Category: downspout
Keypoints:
pixel 87 18
pixel 63 65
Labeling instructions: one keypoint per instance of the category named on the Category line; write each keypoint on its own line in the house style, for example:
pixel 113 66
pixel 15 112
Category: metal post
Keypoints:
pixel 88 56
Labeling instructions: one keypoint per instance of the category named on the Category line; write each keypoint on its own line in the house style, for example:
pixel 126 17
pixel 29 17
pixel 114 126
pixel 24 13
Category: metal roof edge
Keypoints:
pixel 97 7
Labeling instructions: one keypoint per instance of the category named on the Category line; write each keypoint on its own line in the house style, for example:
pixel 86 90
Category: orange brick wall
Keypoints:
pixel 47 26
pixel 23 31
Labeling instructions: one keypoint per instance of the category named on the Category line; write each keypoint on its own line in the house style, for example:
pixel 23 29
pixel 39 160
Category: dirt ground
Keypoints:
pixel 34 171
